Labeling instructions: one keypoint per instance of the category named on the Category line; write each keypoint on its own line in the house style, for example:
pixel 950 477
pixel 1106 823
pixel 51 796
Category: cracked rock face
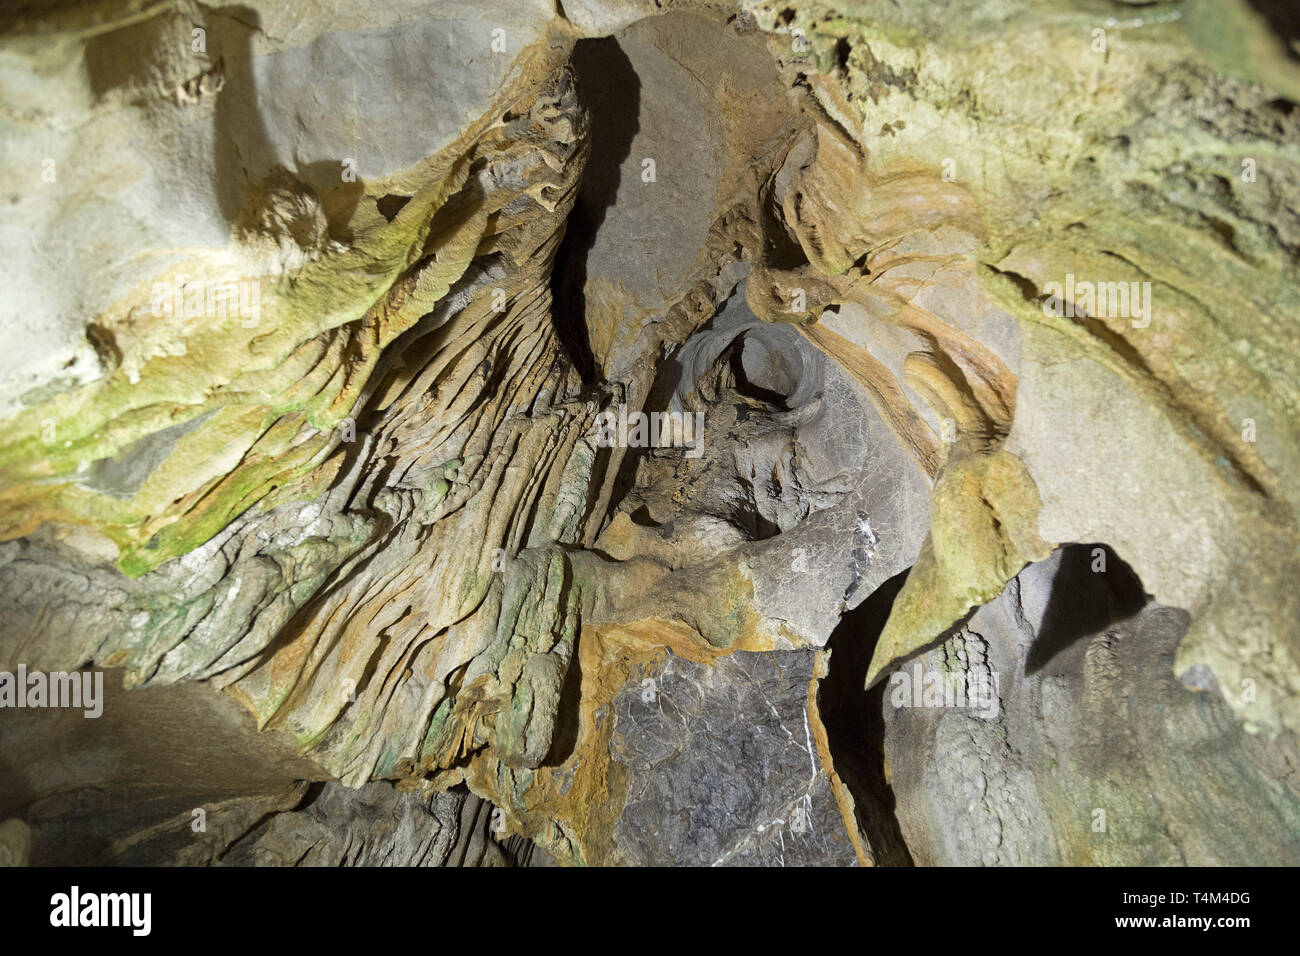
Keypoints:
pixel 814 433
pixel 692 796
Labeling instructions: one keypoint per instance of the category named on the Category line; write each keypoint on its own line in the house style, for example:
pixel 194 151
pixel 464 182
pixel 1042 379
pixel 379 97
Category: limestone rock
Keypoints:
pixel 947 347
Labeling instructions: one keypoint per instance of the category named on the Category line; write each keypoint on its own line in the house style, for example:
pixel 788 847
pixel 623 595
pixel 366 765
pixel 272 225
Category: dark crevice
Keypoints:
pixel 855 722
pixel 747 388
pixel 1093 589
pixel 1283 17
pixel 569 305
pixel 642 517
pixel 389 206
pixel 610 90
pixel 568 717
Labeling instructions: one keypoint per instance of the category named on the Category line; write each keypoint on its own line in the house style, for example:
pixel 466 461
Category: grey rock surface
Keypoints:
pixel 1093 752
pixel 724 770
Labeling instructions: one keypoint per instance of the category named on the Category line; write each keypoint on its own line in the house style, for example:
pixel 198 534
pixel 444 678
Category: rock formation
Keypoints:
pixel 625 432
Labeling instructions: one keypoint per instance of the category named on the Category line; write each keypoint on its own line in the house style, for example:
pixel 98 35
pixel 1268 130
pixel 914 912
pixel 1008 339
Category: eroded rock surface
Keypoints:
pixel 318 321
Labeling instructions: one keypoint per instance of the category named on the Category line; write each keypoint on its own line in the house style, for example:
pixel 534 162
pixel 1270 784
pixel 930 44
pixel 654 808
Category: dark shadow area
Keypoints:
pixel 781 249
pixel 747 388
pixel 240 138
pixel 338 197
pixel 1283 18
pixel 125 62
pixel 1092 590
pixel 245 162
pixel 389 206
pixel 642 518
pixel 756 525
pixel 568 716
pixel 855 722
pixel 120 789
pixel 476 844
pixel 611 91
pixel 569 305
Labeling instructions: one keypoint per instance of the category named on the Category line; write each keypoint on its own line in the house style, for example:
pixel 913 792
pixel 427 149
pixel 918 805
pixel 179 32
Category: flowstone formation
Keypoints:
pixel 627 432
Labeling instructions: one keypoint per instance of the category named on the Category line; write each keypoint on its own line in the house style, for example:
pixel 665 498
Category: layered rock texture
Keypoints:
pixel 627 432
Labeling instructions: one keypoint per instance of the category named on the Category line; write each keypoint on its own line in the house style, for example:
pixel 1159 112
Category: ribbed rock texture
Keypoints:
pixel 984 319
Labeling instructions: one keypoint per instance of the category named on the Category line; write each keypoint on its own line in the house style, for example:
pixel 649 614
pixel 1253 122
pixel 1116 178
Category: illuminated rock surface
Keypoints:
pixel 991 315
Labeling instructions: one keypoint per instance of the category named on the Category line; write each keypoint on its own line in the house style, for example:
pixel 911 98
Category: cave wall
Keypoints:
pixel 319 315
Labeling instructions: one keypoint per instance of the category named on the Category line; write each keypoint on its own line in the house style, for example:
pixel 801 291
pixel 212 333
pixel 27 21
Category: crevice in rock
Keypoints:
pixel 855 725
pixel 1093 589
pixel 752 389
pixel 1284 20
pixel 390 205
pixel 610 89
